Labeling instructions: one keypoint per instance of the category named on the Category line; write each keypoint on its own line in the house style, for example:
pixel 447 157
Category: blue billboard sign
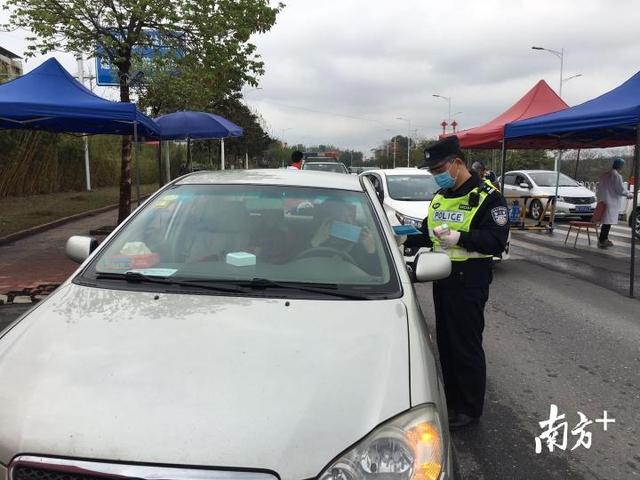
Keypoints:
pixel 107 73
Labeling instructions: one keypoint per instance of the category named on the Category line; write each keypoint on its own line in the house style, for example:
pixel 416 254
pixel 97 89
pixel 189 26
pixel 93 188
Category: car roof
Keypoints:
pixel 280 177
pixel 530 171
pixel 399 171
pixel 325 163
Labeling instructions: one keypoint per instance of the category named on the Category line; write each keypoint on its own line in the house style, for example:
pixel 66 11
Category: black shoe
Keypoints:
pixel 461 420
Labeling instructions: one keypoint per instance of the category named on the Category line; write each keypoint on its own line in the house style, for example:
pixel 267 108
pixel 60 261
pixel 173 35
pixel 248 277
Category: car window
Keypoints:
pixel 326 167
pixel 548 179
pixel 375 181
pixel 411 187
pixel 242 232
pixel 509 179
pixel 520 179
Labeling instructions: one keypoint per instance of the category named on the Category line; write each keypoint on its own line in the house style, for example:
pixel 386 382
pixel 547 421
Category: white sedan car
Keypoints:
pixel 336 167
pixel 405 193
pixel 574 200
pixel 223 333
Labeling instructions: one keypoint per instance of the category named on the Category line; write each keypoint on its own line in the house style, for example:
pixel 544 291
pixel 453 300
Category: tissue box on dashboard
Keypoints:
pixel 241 259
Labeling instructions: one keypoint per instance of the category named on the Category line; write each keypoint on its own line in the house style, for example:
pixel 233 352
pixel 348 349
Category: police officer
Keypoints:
pixel 477 220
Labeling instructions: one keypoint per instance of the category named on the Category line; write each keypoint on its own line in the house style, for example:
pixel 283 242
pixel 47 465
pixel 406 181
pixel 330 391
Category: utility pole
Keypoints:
pixel 409 144
pixel 394 151
pixel 85 139
pixel 387 152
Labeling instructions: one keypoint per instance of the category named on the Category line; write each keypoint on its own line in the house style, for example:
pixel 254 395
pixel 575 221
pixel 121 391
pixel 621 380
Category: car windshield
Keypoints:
pixel 239 233
pixel 548 179
pixel 326 167
pixel 412 187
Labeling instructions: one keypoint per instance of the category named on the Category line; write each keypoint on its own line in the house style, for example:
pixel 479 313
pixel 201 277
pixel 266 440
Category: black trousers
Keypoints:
pixel 459 306
pixel 604 233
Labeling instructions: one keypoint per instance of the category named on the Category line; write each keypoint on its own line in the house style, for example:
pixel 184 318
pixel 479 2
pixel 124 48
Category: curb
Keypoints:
pixel 12 237
pixel 28 295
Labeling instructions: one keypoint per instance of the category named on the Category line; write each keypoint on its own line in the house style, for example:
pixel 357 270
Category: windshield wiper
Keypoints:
pixel 233 286
pixel 137 277
pixel 322 288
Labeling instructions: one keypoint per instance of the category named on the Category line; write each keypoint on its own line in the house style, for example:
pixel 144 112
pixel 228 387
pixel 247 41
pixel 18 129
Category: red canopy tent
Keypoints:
pixel 539 100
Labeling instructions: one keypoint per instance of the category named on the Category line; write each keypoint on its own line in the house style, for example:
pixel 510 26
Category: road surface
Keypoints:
pixel 555 334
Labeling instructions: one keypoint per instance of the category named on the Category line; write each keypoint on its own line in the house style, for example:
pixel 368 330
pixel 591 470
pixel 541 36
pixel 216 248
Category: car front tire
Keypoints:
pixel 535 210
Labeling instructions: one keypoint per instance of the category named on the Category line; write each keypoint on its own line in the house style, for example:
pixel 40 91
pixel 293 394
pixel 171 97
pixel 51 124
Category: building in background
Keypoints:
pixel 10 65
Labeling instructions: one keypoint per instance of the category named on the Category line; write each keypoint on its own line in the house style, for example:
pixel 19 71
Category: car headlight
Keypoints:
pixel 560 199
pixel 408 447
pixel 593 200
pixel 404 220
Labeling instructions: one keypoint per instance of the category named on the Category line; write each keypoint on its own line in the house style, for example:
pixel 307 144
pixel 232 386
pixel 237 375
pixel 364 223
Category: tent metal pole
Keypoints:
pixel 555 193
pixel 636 172
pixel 503 164
pixel 189 156
pixel 87 169
pixel 167 160
pixel 222 154
pixel 575 173
pixel 137 155
pixel 160 179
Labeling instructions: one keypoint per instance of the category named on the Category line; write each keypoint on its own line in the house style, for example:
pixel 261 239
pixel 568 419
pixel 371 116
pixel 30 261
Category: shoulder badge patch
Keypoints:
pixel 500 216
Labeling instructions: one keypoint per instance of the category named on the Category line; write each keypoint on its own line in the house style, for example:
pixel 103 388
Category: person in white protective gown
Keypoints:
pixel 611 191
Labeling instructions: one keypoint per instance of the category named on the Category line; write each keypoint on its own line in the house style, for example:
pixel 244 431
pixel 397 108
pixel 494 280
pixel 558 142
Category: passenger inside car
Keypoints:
pixel 224 228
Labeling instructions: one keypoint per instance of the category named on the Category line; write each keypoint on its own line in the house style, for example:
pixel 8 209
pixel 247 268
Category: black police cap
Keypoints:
pixel 436 153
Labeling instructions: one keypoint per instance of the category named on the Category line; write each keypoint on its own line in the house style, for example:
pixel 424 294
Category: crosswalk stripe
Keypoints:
pixel 559 252
pixel 540 249
pixel 622 233
pixel 614 228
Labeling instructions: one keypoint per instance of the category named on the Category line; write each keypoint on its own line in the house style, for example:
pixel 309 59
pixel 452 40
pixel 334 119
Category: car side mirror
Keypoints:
pixel 79 247
pixel 432 266
pixel 525 185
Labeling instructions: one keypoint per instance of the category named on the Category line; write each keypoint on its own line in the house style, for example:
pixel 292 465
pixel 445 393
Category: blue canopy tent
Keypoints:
pixel 49 99
pixel 612 119
pixel 188 125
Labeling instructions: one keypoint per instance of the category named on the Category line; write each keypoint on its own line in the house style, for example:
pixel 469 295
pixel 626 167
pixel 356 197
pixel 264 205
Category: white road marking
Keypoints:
pixel 540 249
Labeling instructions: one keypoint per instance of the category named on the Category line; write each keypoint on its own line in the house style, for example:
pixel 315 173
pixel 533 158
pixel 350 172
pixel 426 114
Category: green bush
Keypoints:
pixel 39 162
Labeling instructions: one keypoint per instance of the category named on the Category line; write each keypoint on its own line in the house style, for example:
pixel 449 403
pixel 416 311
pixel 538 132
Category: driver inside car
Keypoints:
pixel 339 231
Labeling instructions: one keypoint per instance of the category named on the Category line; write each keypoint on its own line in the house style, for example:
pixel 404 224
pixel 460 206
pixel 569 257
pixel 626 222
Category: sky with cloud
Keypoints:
pixel 342 72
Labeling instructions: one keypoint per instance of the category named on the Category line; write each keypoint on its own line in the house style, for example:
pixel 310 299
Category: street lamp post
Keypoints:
pixel 560 55
pixel 394 150
pixel 408 140
pixel 387 152
pixel 282 141
pixel 448 99
pixel 565 80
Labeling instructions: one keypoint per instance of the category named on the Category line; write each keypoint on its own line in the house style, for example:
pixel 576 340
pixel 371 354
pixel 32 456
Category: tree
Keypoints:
pixel 211 38
pixel 255 140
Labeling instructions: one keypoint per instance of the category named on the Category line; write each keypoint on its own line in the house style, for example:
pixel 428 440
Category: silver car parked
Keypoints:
pixel 254 325
pixel 574 200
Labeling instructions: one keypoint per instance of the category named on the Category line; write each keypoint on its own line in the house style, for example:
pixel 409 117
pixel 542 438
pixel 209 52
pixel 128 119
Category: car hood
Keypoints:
pixel 417 210
pixel 580 192
pixel 199 379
